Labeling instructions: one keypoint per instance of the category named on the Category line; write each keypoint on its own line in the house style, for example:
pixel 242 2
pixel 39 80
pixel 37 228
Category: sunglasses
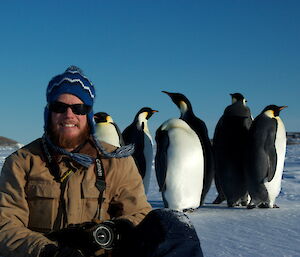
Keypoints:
pixel 78 109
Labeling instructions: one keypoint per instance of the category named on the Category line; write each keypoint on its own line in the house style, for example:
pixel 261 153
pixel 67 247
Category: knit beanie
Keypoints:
pixel 72 81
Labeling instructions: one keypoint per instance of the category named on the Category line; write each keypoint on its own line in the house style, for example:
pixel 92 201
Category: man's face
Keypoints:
pixel 69 130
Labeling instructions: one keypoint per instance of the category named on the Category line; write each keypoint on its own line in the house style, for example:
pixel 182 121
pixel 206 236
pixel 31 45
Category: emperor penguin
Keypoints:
pixel 179 165
pixel 107 130
pixel 265 157
pixel 229 145
pixel 199 127
pixel 138 133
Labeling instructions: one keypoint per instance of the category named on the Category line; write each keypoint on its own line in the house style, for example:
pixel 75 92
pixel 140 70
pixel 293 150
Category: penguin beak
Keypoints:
pixel 282 107
pixel 168 93
pixel 149 114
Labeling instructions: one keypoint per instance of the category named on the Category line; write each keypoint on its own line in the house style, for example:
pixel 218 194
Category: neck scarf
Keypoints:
pixel 84 159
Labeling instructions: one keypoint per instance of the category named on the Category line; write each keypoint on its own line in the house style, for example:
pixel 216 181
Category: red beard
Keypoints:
pixel 69 142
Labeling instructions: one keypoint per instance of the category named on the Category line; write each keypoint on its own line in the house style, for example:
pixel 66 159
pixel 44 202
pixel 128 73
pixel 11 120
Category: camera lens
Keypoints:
pixel 104 235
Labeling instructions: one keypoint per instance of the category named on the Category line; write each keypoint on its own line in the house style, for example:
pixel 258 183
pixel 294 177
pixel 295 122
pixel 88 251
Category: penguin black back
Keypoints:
pixel 229 144
pixel 262 136
pixel 265 158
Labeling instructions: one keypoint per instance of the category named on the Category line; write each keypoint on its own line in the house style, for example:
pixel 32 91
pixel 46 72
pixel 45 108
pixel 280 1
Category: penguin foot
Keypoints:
pixel 231 205
pixel 244 203
pixel 275 206
pixel 218 200
pixel 264 205
pixel 188 210
pixel 251 206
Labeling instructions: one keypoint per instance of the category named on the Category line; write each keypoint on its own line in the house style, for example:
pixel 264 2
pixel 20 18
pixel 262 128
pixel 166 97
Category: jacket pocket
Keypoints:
pixel 90 198
pixel 43 199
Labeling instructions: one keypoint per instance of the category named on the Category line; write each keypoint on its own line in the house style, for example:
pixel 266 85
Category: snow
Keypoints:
pixel 4 152
pixel 226 232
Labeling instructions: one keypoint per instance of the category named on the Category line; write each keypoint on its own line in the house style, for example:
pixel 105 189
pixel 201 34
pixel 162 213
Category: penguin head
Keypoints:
pixel 102 117
pixel 273 110
pixel 181 101
pixel 143 115
pixel 238 97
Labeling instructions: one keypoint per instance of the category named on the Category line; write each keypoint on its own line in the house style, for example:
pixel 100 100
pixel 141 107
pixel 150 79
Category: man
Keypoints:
pixel 66 177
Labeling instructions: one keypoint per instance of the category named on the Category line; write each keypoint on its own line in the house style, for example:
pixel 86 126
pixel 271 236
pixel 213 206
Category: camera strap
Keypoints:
pixel 100 176
pixel 100 183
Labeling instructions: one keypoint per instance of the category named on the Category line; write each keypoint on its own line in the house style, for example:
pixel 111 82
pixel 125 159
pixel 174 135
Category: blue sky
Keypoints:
pixel 132 50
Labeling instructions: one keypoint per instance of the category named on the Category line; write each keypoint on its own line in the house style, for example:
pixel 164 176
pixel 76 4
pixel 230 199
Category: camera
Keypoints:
pixel 89 236
pixel 105 235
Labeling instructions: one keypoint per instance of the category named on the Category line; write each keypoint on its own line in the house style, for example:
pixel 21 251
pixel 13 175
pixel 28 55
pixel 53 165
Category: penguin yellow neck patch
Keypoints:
pixel 270 113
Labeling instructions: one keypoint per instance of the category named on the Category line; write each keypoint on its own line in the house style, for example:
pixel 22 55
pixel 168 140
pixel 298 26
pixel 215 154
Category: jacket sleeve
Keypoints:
pixel 15 238
pixel 129 200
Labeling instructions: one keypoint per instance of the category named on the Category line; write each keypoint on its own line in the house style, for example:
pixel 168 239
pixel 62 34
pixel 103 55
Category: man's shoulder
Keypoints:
pixel 33 148
pixel 35 144
pixel 108 147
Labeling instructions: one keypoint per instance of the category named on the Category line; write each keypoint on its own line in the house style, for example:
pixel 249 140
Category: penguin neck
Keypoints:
pixel 143 125
pixel 242 101
pixel 141 121
pixel 270 114
pixel 237 109
pixel 187 114
pixel 186 110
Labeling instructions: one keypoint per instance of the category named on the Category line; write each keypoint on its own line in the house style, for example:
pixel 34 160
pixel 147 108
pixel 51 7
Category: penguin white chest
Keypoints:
pixel 274 186
pixel 107 133
pixel 184 179
pixel 148 154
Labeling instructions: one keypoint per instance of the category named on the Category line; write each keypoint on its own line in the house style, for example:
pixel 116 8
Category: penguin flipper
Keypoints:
pixel 122 143
pixel 127 134
pixel 132 135
pixel 272 155
pixel 217 137
pixel 138 155
pixel 161 161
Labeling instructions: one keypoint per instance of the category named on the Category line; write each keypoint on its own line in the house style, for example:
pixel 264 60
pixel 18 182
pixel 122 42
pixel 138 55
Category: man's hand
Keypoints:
pixel 54 251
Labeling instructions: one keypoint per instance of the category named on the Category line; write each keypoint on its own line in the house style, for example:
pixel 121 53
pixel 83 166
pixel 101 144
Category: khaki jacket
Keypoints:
pixel 29 196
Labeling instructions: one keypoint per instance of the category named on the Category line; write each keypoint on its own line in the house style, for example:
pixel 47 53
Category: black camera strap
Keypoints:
pixel 100 183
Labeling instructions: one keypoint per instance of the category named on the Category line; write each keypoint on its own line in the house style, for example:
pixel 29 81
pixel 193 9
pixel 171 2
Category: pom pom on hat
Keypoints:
pixel 72 81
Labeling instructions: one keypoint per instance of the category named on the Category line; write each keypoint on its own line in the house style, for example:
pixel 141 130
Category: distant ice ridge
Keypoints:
pixel 292 156
pixel 293 138
pixel 6 151
pixel 291 174
pixel 10 148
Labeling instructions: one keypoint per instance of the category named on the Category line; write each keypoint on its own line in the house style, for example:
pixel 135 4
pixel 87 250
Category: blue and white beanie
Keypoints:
pixel 72 81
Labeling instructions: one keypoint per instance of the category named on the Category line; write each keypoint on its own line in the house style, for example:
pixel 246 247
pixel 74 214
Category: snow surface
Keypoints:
pixel 241 232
